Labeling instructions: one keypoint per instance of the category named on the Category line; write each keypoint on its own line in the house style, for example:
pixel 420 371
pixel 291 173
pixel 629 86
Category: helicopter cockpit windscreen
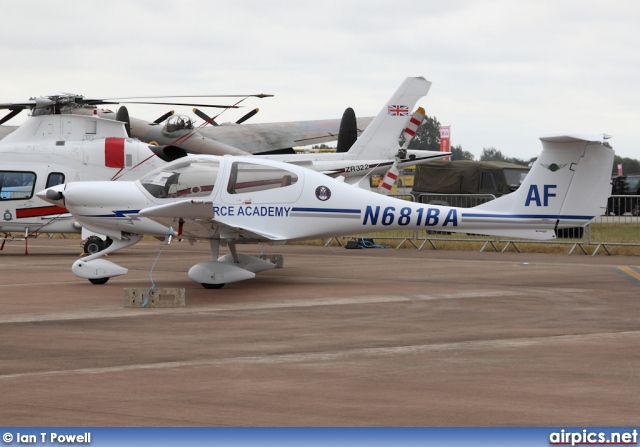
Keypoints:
pixel 189 178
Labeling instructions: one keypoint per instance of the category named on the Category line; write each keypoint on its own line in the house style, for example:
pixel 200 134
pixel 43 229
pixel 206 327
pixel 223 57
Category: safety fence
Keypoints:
pixel 619 226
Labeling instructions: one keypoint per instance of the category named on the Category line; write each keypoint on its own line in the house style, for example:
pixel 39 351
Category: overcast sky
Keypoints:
pixel 504 73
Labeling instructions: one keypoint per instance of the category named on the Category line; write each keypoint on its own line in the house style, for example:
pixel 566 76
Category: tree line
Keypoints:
pixel 428 138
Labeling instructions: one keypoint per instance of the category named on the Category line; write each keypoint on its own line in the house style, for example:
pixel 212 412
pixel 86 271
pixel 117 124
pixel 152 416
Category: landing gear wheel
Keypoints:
pixel 212 286
pixel 94 244
pixel 98 280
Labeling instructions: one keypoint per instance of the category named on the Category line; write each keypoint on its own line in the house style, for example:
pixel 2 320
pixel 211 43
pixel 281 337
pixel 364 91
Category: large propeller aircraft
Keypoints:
pixel 209 138
pixel 53 148
pixel 236 200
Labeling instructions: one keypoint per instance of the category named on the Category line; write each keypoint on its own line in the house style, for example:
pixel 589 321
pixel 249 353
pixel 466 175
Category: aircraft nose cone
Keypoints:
pixel 52 195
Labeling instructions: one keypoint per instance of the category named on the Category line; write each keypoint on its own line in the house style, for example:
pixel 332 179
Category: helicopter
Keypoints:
pixel 54 149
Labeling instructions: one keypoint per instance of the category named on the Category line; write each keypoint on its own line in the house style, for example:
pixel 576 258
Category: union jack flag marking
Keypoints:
pixel 398 110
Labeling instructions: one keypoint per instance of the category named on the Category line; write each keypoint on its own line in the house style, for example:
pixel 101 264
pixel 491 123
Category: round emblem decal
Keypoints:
pixel 323 193
pixel 8 215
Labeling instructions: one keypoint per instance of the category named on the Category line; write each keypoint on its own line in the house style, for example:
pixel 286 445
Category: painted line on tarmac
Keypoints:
pixel 85 314
pixel 346 354
pixel 629 273
pixel 90 314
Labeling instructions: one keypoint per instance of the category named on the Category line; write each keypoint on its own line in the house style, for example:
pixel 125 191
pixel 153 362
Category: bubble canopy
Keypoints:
pixel 189 178
pixel 197 177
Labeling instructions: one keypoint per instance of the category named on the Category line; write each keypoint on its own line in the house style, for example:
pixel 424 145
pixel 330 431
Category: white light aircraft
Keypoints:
pixel 234 200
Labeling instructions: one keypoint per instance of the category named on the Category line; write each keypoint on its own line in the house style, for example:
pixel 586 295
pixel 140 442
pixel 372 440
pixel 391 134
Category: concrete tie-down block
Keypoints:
pixel 158 297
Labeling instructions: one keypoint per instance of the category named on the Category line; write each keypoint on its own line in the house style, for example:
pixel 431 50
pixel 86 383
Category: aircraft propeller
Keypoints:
pixel 123 116
pixel 247 116
pixel 163 117
pixel 200 114
pixel 211 121
pixel 10 115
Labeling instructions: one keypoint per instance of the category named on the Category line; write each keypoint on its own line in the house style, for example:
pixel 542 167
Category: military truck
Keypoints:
pixel 627 190
pixel 465 183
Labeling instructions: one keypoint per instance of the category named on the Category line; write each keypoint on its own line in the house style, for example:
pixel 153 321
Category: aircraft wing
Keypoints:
pixel 267 137
pixel 194 219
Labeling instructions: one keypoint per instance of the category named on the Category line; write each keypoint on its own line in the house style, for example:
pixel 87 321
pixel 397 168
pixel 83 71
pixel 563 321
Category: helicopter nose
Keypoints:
pixel 53 195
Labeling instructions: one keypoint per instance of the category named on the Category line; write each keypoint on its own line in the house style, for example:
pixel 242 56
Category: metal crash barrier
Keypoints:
pixel 620 226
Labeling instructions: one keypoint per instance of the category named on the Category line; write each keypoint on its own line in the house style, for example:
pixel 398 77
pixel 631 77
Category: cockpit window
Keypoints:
pixel 193 178
pixel 178 122
pixel 15 185
pixel 249 177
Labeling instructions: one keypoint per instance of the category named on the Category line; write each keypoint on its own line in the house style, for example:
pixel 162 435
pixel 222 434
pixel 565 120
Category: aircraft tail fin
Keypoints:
pixel 380 138
pixel 348 133
pixel 569 184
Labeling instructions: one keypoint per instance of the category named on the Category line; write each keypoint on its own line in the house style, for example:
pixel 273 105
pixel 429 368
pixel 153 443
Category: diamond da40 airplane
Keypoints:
pixel 51 149
pixel 234 200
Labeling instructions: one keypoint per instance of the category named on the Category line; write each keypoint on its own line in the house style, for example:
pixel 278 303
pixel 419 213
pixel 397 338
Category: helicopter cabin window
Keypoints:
pixel 192 178
pixel 55 178
pixel 16 185
pixel 248 177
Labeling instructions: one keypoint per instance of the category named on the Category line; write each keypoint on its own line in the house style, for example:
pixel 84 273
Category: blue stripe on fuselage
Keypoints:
pixel 527 216
pixel 326 210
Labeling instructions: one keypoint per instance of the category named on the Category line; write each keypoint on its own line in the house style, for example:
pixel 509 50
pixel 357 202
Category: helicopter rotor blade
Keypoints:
pixel 217 106
pixel 260 95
